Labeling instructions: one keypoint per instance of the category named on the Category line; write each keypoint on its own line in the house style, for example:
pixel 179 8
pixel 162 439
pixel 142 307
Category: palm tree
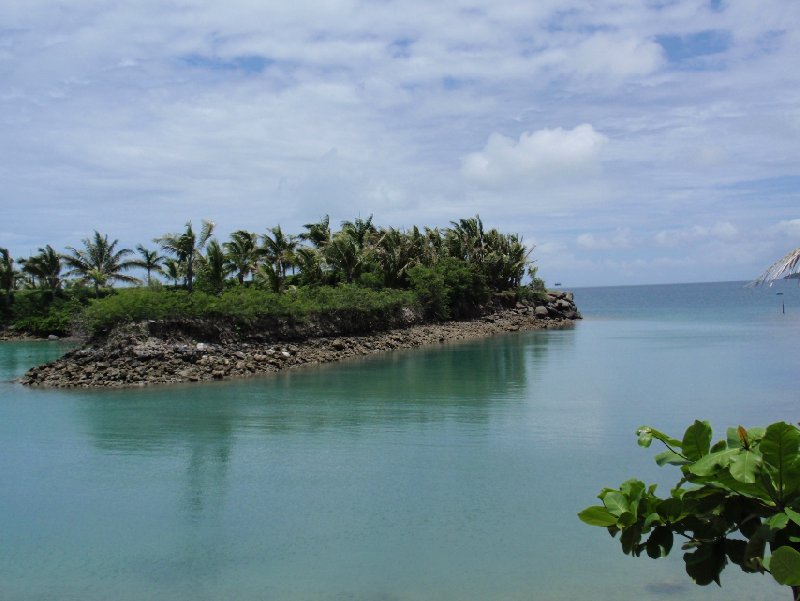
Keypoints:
pixel 99 262
pixel 172 270
pixel 344 255
pixel 44 268
pixel 186 247
pixel 241 253
pixel 8 275
pixel 213 267
pixel 319 234
pixel 310 262
pixel 150 260
pixel 788 266
pixel 279 250
pixel 465 240
pixel 395 253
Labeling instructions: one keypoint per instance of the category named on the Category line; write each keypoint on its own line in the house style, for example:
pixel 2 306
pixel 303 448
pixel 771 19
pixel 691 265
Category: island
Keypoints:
pixel 259 304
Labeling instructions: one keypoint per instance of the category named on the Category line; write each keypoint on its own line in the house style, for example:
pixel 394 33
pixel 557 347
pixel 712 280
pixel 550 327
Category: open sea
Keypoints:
pixel 451 473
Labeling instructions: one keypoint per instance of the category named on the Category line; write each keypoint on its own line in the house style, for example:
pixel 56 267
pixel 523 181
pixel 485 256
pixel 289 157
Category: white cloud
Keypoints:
pixel 621 238
pixel 133 117
pixel 548 154
pixel 720 231
pixel 615 55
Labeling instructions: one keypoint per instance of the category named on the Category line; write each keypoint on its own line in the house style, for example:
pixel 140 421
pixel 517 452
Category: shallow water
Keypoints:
pixel 448 473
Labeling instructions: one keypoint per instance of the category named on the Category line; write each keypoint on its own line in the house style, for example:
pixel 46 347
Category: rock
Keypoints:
pixel 52 337
pixel 541 312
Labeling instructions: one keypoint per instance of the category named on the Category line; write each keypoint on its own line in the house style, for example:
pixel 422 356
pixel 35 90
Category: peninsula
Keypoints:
pixel 257 304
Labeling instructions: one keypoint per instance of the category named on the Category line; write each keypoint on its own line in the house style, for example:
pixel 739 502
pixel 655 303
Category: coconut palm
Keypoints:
pixel 310 261
pixel 279 249
pixel 242 253
pixel 150 261
pixel 8 275
pixel 213 267
pixel 186 247
pixel 395 253
pixel 318 234
pixel 99 262
pixel 788 266
pixel 344 255
pixel 172 270
pixel 44 268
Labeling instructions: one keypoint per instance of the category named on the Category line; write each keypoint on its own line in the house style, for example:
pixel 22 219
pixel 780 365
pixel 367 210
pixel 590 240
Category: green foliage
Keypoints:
pixel 450 288
pixel 44 312
pixel 737 501
pixel 241 305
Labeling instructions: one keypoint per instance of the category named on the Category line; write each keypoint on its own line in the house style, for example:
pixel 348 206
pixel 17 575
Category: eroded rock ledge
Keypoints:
pixel 170 352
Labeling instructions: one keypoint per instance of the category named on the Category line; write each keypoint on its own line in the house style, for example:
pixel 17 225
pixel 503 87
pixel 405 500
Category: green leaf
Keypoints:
pixel 615 502
pixel 670 509
pixel 785 566
pixel 793 515
pixel 660 542
pixel 745 465
pixel 780 448
pixel 777 521
pixel 597 515
pixel 630 539
pixel 696 440
pixel 671 458
pixel 711 463
pixel 646 435
pixel 705 563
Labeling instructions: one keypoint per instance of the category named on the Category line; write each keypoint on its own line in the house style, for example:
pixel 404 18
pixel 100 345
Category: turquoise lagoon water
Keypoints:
pixel 448 473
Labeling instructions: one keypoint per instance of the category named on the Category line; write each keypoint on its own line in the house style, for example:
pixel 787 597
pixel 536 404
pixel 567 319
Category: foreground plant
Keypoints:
pixel 737 501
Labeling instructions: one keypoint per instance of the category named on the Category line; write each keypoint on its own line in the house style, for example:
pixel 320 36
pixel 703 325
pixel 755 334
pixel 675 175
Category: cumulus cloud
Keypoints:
pixel 544 154
pixel 134 117
pixel 616 55
pixel 621 238
pixel 722 231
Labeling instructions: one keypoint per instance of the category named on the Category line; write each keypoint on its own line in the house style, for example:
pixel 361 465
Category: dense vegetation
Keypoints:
pixel 737 501
pixel 447 272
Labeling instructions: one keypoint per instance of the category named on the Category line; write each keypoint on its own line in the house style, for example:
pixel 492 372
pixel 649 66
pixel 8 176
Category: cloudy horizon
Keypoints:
pixel 629 142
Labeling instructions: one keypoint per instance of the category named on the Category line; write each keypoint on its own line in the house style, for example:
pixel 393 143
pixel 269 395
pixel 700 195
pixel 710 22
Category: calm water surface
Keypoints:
pixel 450 473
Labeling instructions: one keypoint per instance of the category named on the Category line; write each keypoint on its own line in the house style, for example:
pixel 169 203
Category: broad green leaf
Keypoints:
pixel 660 542
pixel 793 515
pixel 597 515
pixel 780 448
pixel 745 465
pixel 671 458
pixel 785 566
pixel 705 563
pixel 615 502
pixel 777 521
pixel 720 445
pixel 696 440
pixel 754 490
pixel 711 463
pixel 630 540
pixel 670 509
pixel 633 491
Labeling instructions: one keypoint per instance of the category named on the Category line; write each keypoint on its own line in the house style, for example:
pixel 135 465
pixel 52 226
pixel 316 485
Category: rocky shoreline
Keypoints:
pixel 147 353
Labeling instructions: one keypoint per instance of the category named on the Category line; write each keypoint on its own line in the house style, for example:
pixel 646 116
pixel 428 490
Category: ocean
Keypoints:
pixel 444 473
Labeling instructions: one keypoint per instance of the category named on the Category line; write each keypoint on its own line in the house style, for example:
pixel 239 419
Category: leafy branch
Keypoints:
pixel 737 501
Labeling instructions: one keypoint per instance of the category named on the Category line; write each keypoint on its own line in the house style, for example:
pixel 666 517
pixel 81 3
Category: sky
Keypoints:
pixel 628 142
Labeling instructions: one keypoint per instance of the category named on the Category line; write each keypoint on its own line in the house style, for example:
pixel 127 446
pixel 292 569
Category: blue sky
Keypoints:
pixel 628 141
